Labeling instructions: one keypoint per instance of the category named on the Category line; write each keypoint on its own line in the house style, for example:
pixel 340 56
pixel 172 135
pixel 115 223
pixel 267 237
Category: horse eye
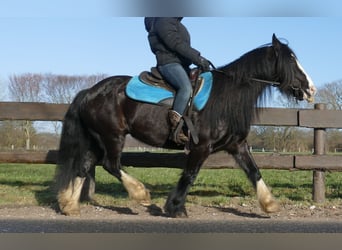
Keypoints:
pixel 293 61
pixel 293 58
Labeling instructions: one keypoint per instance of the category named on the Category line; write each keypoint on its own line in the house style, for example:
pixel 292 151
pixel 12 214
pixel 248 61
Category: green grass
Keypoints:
pixel 25 184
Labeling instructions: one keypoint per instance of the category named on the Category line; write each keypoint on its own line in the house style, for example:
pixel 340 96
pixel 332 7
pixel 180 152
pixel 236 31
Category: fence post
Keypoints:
pixel 318 189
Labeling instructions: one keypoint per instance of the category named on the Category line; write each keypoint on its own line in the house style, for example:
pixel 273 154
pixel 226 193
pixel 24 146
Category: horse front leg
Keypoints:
pixel 244 158
pixel 175 204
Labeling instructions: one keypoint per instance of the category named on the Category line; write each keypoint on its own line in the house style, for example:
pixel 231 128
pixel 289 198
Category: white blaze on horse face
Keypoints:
pixel 312 88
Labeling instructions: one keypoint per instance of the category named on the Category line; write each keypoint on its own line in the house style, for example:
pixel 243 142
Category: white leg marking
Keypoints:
pixel 265 198
pixel 69 198
pixel 136 190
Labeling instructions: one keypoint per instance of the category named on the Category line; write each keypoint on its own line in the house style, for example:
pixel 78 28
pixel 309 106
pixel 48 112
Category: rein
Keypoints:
pixel 272 83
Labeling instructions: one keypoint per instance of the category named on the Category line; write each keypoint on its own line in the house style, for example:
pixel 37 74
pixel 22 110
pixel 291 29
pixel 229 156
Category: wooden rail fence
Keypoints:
pixel 319 119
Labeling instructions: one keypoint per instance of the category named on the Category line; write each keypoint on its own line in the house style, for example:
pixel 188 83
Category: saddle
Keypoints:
pixel 154 78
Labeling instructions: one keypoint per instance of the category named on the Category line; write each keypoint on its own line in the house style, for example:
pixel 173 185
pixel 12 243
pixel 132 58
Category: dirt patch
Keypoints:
pixel 136 212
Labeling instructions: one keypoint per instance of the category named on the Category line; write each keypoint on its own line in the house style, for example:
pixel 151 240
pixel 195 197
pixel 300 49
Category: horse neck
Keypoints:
pixel 259 63
pixel 235 95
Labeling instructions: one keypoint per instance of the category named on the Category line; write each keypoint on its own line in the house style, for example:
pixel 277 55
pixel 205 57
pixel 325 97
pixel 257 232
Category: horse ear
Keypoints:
pixel 275 40
pixel 276 44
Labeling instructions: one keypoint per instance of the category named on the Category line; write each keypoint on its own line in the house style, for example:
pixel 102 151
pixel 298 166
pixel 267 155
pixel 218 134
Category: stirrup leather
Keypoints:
pixel 177 134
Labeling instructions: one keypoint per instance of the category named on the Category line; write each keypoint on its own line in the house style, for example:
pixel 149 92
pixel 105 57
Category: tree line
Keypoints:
pixel 50 88
pixel 56 88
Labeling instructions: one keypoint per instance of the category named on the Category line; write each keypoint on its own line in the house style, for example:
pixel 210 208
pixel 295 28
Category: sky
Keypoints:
pixel 92 37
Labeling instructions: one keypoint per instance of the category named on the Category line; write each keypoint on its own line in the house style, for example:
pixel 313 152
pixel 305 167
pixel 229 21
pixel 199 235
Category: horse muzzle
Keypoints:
pixel 309 94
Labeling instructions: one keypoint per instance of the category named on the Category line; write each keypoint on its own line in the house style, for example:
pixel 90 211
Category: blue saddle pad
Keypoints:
pixel 139 91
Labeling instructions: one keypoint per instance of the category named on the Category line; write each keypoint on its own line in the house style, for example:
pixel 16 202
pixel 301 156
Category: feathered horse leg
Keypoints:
pixel 175 204
pixel 247 163
pixel 76 157
pixel 136 190
pixel 68 198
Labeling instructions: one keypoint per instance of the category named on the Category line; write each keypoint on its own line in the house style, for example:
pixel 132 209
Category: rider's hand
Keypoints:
pixel 203 64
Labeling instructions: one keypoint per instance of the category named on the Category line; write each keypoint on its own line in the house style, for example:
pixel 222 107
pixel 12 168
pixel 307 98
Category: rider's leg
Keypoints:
pixel 176 76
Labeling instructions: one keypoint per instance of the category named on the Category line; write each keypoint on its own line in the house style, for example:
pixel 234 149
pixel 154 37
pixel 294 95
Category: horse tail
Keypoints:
pixel 72 146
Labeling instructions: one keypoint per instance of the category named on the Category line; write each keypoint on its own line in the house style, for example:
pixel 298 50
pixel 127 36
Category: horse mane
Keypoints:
pixel 248 64
pixel 235 96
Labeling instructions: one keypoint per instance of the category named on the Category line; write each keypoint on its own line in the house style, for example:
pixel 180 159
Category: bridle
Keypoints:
pixel 296 89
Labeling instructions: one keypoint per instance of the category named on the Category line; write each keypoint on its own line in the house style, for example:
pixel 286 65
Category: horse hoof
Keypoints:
pixel 146 203
pixel 176 212
pixel 136 190
pixel 70 210
pixel 271 207
pixel 143 198
pixel 179 214
pixel 73 213
pixel 266 200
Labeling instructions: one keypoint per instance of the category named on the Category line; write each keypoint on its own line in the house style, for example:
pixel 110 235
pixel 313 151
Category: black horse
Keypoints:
pixel 100 117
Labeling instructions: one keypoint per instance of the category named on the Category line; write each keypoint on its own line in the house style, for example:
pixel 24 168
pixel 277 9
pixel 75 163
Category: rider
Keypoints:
pixel 170 42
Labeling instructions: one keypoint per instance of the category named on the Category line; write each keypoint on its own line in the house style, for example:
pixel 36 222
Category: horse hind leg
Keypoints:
pixel 70 191
pixel 136 190
pixel 89 164
pixel 265 198
pixel 88 189
pixel 68 198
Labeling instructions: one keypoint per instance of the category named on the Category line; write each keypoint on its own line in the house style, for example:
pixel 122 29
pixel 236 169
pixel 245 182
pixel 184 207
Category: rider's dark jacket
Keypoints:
pixel 170 41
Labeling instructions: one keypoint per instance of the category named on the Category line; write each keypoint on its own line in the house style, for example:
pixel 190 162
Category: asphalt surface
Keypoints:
pixel 169 226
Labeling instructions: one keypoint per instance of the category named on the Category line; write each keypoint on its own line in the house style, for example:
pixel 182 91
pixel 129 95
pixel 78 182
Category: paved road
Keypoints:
pixel 169 226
